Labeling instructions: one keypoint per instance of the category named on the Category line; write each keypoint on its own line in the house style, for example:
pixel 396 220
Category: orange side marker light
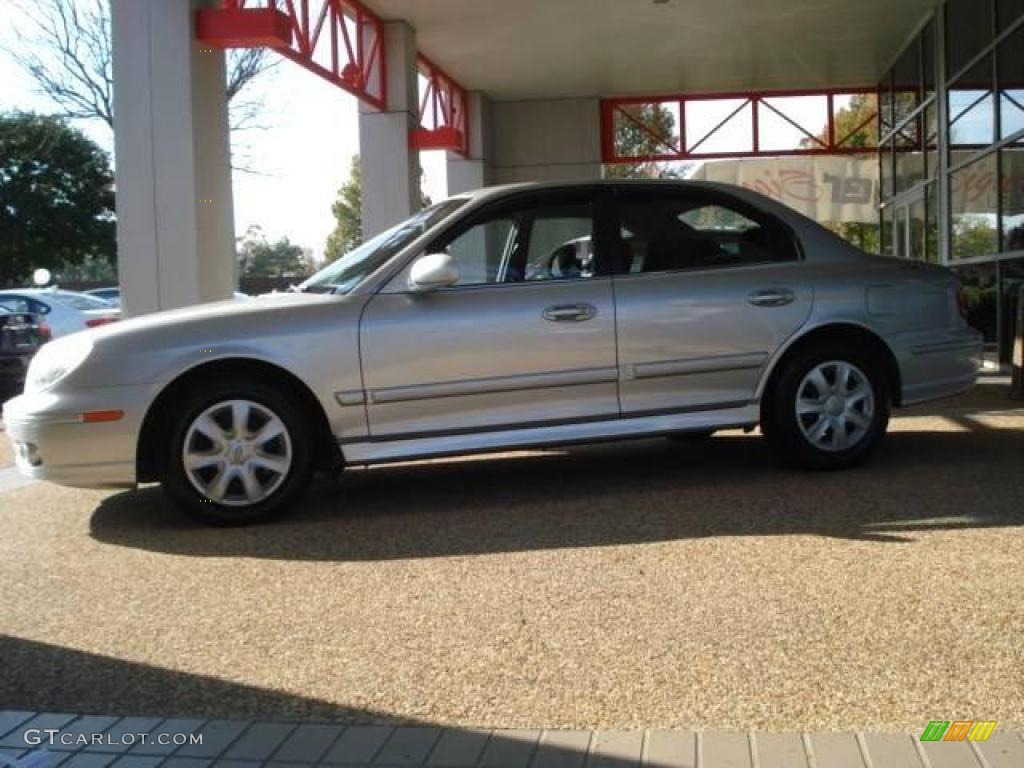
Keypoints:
pixel 93 417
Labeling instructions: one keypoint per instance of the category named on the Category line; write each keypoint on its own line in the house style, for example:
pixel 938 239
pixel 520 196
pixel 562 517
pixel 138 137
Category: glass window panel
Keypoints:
pixel 645 129
pixel 907 82
pixel 1011 84
pixel 719 125
pixel 909 155
pixel 931 120
pixel 979 281
pixel 968 31
pixel 666 231
pixel 790 122
pixel 928 60
pixel 918 224
pixel 885 106
pixel 971 107
pixel 1012 198
pixel 1008 11
pixel 931 225
pixel 973 209
pixel 536 243
pixel 886 230
pixel 885 157
pixel 1011 278
pixel 856 119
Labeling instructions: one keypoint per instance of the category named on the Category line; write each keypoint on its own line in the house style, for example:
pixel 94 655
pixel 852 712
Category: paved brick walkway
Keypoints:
pixel 149 742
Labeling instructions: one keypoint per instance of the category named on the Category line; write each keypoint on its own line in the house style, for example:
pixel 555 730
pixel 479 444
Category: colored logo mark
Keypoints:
pixel 958 730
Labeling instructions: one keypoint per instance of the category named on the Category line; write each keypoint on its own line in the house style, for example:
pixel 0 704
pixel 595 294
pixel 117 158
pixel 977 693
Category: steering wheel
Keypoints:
pixel 565 262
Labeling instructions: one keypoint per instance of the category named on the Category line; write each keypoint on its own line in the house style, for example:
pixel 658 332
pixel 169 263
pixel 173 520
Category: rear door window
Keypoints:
pixel 668 231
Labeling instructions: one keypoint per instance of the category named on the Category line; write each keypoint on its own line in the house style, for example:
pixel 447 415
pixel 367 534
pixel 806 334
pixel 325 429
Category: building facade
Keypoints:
pixel 951 153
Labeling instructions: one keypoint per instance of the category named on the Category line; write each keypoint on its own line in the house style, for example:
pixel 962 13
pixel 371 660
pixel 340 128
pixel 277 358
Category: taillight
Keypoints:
pixel 961 301
pixel 96 322
pixel 45 333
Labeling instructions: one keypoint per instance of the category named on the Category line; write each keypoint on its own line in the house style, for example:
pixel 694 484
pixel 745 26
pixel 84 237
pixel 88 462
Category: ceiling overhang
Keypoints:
pixel 569 48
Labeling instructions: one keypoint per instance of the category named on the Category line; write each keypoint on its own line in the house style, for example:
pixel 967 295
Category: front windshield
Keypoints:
pixel 344 274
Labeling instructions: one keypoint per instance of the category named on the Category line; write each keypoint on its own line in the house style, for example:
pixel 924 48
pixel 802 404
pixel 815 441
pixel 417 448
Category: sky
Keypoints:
pixel 300 155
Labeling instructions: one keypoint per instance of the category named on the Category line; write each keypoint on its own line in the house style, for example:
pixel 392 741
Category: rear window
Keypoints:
pixel 15 303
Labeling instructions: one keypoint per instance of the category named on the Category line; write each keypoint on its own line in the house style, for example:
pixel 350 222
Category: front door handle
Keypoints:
pixel 771 297
pixel 570 313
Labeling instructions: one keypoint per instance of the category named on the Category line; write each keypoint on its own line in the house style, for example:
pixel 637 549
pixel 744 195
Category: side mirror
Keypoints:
pixel 432 271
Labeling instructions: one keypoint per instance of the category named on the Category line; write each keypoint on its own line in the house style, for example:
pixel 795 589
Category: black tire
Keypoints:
pixel 786 431
pixel 283 488
pixel 697 436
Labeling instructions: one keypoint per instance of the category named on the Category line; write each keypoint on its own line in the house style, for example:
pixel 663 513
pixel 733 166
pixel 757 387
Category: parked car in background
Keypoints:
pixel 512 317
pixel 21 334
pixel 110 295
pixel 65 311
pixel 113 295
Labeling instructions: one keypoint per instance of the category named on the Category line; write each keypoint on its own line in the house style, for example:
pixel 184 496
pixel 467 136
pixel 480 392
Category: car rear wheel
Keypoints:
pixel 239 453
pixel 829 409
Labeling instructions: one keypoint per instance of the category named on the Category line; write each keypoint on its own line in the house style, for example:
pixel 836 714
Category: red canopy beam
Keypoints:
pixel 760 103
pixel 342 41
pixel 444 113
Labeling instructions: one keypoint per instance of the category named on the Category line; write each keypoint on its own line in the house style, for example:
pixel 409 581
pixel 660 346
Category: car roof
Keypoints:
pixel 769 205
pixel 39 292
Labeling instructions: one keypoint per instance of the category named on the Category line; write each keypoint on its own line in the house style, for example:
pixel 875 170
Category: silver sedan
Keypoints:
pixel 511 317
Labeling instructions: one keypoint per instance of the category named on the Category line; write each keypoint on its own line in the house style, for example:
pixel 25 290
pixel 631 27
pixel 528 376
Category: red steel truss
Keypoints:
pixel 444 113
pixel 746 109
pixel 342 41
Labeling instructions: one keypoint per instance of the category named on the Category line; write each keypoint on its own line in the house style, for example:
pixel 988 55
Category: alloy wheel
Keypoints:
pixel 237 453
pixel 835 405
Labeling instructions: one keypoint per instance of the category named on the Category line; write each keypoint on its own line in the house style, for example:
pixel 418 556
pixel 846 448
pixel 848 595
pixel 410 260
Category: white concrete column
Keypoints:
pixel 474 171
pixel 547 140
pixel 390 168
pixel 175 222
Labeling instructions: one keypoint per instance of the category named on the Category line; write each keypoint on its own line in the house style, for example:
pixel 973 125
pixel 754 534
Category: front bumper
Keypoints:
pixel 52 442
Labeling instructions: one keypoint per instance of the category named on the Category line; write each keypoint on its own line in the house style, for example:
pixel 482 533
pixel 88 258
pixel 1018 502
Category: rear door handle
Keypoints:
pixel 570 313
pixel 771 297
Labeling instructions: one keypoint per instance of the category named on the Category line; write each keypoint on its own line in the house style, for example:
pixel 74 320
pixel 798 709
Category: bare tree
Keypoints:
pixel 67 49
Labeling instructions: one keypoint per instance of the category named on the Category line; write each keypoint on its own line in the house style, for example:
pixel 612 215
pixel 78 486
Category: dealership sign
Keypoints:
pixel 823 187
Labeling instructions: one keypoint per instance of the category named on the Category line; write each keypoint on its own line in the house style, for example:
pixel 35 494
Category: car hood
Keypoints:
pixel 211 313
pixel 285 329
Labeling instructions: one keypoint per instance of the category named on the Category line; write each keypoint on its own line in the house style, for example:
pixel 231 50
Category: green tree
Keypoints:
pixel 91 269
pixel 259 257
pixel 347 210
pixel 643 129
pixel 348 215
pixel 56 197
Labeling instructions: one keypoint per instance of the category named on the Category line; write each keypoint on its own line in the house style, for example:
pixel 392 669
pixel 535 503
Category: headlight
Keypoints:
pixel 56 360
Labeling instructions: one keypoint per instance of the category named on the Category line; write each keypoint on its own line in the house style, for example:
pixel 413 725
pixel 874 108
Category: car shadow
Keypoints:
pixel 45 678
pixel 40 677
pixel 620 493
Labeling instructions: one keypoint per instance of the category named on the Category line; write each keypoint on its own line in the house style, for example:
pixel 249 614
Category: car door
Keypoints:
pixel 525 338
pixel 706 290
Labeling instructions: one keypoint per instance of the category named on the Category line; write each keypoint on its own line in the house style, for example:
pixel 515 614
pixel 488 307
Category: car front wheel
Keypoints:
pixel 238 453
pixel 828 410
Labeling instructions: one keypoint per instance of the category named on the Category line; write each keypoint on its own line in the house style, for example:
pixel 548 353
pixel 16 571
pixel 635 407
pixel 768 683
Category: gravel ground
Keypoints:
pixel 636 584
